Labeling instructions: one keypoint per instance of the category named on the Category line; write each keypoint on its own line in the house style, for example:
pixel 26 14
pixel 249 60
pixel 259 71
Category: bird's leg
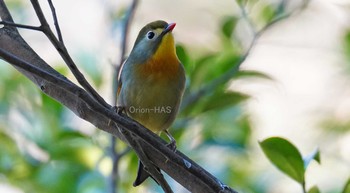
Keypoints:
pixel 118 109
pixel 172 143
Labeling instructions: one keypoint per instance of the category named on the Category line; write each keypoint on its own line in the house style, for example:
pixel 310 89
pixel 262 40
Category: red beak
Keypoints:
pixel 170 27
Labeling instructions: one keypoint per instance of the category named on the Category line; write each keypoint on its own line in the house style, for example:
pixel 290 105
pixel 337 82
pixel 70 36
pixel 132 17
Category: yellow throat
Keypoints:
pixel 164 62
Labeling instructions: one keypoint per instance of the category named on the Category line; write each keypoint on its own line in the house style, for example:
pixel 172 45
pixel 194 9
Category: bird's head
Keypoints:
pixel 155 41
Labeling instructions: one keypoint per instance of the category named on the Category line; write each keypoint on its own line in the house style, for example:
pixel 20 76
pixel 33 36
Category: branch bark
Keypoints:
pixel 18 53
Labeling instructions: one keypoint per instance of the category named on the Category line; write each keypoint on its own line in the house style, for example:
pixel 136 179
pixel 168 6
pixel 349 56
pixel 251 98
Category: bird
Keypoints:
pixel 151 83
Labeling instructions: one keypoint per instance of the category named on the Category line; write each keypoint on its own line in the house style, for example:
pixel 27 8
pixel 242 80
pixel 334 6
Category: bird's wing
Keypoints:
pixel 119 79
pixel 119 86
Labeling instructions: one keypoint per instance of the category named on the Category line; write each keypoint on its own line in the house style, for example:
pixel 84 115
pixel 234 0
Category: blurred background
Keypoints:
pixel 295 83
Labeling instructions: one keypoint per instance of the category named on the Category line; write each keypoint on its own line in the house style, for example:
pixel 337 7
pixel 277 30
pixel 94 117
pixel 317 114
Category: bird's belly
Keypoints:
pixel 153 105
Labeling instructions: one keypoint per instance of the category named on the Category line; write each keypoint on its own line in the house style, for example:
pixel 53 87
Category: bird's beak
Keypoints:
pixel 169 28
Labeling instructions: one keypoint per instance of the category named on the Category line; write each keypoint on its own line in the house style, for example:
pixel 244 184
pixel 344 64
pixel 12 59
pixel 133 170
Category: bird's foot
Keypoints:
pixel 172 145
pixel 118 109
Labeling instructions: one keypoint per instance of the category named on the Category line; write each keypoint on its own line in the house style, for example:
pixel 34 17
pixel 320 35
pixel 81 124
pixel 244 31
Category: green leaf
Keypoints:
pixel 347 43
pixel 285 156
pixel 315 155
pixel 198 75
pixel 347 47
pixel 314 189
pixel 235 129
pixel 223 100
pixel 210 67
pixel 268 13
pixel 241 1
pixel 228 26
pixel 219 99
pixel 184 57
pixel 253 74
pixel 347 187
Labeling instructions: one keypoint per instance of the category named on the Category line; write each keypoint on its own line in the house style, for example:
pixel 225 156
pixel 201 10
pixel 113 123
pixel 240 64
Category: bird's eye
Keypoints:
pixel 150 35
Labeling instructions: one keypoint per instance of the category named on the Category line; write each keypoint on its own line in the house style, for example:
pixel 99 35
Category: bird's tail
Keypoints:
pixel 142 175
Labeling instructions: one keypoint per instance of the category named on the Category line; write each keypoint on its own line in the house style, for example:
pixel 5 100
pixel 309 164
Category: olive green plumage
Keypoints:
pixel 152 81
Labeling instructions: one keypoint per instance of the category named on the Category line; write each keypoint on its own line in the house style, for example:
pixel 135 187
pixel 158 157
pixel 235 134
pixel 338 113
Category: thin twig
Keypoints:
pixel 303 186
pixel 112 181
pixel 62 50
pixel 6 16
pixel 5 23
pixel 115 156
pixel 125 29
pixel 281 7
pixel 246 16
pixel 57 26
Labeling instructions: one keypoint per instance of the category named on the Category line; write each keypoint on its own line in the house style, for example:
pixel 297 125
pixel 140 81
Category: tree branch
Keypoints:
pixel 20 26
pixel 125 28
pixel 17 52
pixel 115 156
pixel 62 50
pixel 58 30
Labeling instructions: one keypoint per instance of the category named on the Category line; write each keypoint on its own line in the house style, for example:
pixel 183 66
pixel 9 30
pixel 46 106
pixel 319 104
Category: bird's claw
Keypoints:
pixel 118 109
pixel 172 145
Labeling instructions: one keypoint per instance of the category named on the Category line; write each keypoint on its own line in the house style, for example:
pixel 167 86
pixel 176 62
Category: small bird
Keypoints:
pixel 151 82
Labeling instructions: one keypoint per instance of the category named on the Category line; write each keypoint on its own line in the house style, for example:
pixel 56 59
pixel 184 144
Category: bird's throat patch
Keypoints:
pixel 164 62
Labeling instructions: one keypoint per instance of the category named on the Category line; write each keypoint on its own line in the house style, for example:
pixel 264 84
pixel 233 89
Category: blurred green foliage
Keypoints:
pixel 347 44
pixel 314 189
pixel 38 151
pixel 346 188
